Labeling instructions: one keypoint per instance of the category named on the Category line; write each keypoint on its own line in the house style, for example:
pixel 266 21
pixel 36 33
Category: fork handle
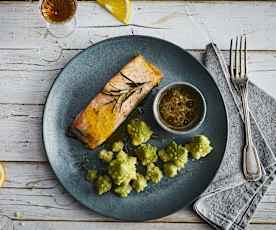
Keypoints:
pixel 251 162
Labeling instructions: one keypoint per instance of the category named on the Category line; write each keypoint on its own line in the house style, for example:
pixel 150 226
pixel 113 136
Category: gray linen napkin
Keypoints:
pixel 230 201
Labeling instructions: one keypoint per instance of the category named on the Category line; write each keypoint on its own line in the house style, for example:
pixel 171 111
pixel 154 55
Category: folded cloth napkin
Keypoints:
pixel 230 201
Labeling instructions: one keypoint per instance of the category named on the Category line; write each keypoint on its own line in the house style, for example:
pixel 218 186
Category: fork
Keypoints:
pixel 238 74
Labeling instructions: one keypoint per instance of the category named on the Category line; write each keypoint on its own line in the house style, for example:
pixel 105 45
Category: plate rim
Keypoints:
pixel 49 157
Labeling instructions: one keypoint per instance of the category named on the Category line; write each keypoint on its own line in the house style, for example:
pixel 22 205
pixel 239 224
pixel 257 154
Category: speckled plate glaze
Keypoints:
pixel 80 81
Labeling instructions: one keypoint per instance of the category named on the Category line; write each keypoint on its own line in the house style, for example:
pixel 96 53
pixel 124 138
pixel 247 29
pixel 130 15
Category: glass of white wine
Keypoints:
pixel 59 16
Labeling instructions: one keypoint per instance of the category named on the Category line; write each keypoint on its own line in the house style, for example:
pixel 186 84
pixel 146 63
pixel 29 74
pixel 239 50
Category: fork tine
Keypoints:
pixel 231 59
pixel 241 64
pixel 236 59
pixel 245 57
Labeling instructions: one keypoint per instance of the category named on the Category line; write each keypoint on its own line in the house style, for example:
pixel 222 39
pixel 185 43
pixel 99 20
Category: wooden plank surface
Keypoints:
pixel 25 83
pixel 179 21
pixel 107 226
pixel 21 138
pixel 32 190
pixel 55 204
pixel 32 225
pixel 25 78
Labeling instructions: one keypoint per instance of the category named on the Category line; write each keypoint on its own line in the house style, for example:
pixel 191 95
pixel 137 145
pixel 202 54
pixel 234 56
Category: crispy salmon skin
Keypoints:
pixel 110 107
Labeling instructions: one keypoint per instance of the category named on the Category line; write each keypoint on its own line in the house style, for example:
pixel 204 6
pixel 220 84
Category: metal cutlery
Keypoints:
pixel 238 72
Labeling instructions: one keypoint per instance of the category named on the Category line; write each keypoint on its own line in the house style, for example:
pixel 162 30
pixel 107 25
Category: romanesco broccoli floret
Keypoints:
pixel 199 147
pixel 117 146
pixel 139 131
pixel 103 184
pixel 146 153
pixel 175 154
pixel 154 173
pixel 140 183
pixel 123 190
pixel 105 155
pixel 91 175
pixel 170 169
pixel 122 169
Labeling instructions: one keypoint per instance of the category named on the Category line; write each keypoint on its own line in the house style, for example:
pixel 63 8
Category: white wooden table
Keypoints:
pixel 31 188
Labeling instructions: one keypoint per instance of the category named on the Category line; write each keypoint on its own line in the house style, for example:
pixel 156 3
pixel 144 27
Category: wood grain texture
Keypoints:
pixel 25 84
pixel 22 139
pixel 178 21
pixel 32 190
pixel 25 78
pixel 33 225
pixel 29 175
pixel 55 204
pixel 107 226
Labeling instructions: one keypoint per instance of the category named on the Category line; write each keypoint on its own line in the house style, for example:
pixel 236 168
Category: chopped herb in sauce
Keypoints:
pixel 178 107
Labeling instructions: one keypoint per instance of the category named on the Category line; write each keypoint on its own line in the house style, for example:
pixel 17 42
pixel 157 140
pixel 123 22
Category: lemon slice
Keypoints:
pixel 2 174
pixel 120 9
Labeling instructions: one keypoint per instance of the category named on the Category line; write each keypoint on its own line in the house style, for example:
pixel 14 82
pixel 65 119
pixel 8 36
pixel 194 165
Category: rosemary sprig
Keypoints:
pixel 132 83
pixel 121 95
pixel 130 93
pixel 114 86
pixel 115 100
pixel 126 77
pixel 114 93
pixel 120 102
pixel 109 102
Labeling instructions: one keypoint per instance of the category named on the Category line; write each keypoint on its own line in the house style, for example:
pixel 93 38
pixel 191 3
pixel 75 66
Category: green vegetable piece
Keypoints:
pixel 170 169
pixel 146 153
pixel 123 190
pixel 117 146
pixel 18 215
pixel 121 156
pixel 154 174
pixel 182 157
pixel 174 153
pixel 177 154
pixel 123 169
pixel 105 155
pixel 163 155
pixel 140 183
pixel 199 147
pixel 91 175
pixel 181 162
pixel 103 184
pixel 139 131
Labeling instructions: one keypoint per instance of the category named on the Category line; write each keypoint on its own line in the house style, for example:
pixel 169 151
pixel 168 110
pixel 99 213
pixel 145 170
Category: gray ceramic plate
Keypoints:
pixel 82 78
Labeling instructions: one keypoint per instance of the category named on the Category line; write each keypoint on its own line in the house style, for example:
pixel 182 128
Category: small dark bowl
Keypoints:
pixel 196 122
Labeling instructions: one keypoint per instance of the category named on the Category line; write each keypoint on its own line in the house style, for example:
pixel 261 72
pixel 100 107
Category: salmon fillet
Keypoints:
pixel 110 107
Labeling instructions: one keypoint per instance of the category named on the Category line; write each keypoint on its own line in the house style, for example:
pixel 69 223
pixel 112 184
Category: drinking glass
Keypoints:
pixel 59 16
pixel 60 19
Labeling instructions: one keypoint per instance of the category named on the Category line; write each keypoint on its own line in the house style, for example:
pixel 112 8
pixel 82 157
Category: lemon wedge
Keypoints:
pixel 2 174
pixel 120 9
